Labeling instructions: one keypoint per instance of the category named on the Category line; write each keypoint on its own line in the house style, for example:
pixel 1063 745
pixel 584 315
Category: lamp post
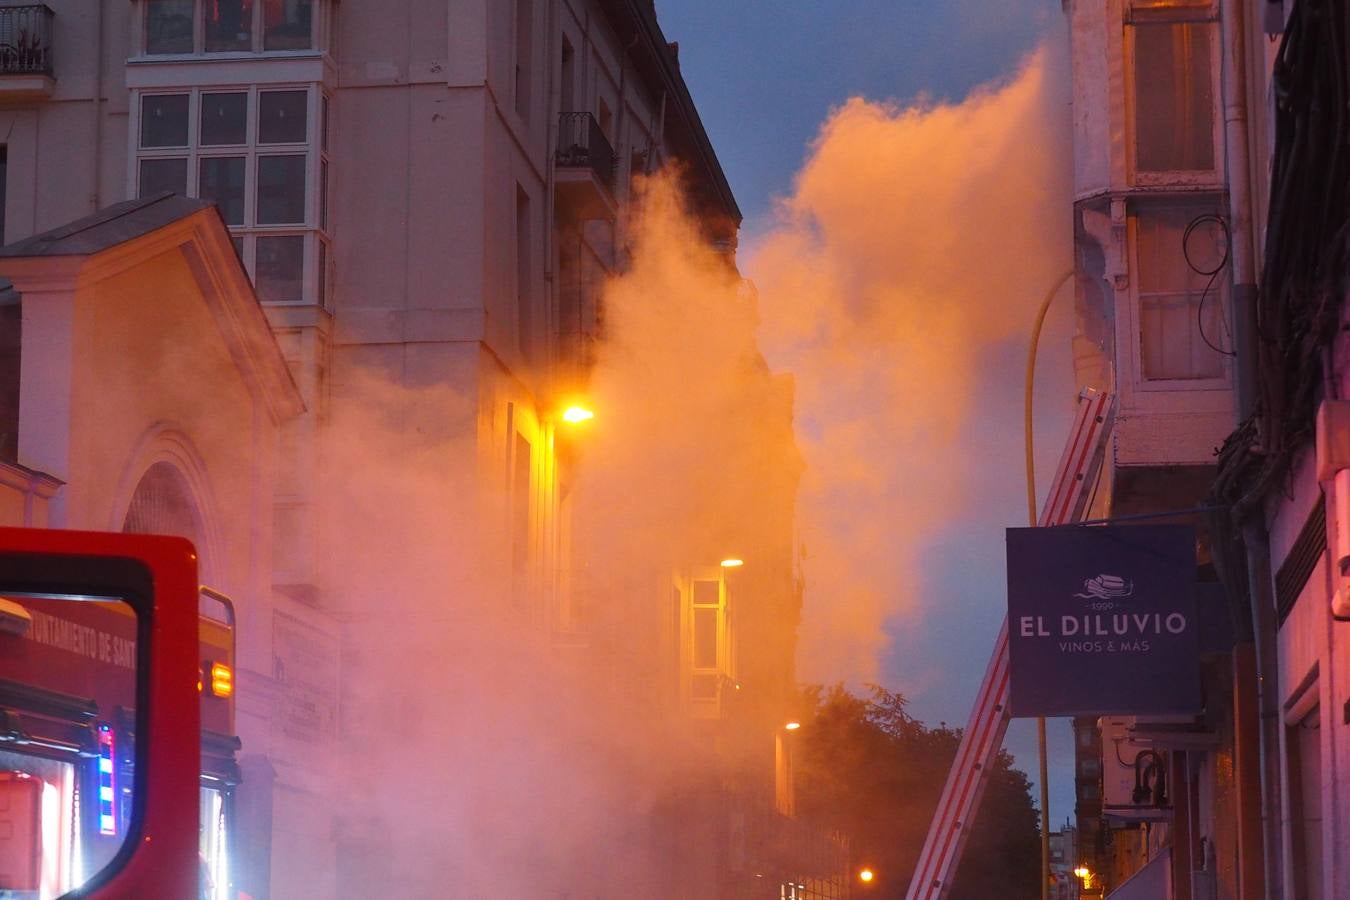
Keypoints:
pixel 1031 515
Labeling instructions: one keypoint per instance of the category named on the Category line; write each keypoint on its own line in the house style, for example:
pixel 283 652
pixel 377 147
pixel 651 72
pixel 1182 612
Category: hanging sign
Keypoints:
pixel 1102 620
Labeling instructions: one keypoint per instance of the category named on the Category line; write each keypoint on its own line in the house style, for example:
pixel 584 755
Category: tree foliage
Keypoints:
pixel 868 768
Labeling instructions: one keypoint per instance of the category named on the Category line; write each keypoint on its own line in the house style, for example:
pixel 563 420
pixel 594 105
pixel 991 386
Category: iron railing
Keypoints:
pixel 26 40
pixel 581 144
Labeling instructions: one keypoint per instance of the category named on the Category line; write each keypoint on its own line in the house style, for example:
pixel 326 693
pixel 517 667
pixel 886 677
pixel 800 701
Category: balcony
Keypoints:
pixel 26 52
pixel 584 168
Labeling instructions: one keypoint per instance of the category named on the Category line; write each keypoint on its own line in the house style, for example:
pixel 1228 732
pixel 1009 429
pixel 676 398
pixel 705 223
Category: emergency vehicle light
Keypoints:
pixel 107 806
pixel 222 680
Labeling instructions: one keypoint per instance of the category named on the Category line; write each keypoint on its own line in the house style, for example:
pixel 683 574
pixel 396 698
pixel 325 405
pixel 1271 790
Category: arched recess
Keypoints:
pixel 165 490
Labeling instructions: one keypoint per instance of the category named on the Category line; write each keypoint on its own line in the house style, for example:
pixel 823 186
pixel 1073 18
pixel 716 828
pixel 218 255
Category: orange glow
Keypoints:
pixel 732 562
pixel 577 414
pixel 866 875
pixel 793 726
pixel 222 680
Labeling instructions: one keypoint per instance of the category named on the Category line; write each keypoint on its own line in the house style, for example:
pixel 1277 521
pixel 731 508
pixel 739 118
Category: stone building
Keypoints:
pixel 428 199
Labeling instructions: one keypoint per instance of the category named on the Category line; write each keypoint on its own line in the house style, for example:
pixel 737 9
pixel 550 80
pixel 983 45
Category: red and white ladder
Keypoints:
pixel 983 737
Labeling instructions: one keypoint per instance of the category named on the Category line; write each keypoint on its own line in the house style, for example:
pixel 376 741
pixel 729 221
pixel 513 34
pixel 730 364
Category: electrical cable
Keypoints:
pixel 1213 273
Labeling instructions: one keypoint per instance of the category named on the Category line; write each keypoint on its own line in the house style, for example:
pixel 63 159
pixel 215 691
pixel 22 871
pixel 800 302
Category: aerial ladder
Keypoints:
pixel 988 722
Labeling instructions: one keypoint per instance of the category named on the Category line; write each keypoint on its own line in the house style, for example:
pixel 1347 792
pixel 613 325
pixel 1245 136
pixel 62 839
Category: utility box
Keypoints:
pixel 1135 784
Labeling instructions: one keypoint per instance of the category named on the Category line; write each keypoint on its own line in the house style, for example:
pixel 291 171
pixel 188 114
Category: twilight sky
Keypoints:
pixel 766 75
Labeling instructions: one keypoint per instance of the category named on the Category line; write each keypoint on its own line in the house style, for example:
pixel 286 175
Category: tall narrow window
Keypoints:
pixel 567 81
pixel 524 53
pixel 706 639
pixel 524 296
pixel 4 184
pixel 1173 87
pixel 1303 741
pixel 1182 330
pixel 520 505
pixel 11 344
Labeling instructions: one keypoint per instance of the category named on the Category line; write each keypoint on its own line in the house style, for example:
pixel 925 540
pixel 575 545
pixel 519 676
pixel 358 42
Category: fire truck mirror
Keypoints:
pixel 68 689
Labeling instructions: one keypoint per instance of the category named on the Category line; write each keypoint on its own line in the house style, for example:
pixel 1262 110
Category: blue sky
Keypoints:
pixel 765 74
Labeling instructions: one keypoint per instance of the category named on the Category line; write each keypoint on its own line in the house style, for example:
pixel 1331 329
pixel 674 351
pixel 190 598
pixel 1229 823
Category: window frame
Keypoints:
pixel 1196 205
pixel 319 35
pixel 311 228
pixel 1196 12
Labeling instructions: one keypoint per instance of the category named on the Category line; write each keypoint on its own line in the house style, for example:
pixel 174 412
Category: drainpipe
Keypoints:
pixel 96 197
pixel 1254 534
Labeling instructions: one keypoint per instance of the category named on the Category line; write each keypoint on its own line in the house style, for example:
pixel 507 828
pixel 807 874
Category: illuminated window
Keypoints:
pixel 253 152
pixel 706 644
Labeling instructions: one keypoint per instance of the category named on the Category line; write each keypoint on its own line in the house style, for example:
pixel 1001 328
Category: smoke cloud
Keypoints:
pixel 898 282
pixel 897 277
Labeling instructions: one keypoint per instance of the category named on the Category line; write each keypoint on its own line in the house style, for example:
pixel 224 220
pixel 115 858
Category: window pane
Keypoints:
pixel 164 120
pixel 323 122
pixel 1176 328
pixel 229 25
pixel 159 175
pixel 706 593
pixel 238 246
pixel 280 268
pixel 222 182
pixel 323 195
pixel 705 638
pixel 1174 98
pixel 66 774
pixel 168 26
pixel 286 24
pixel 281 117
pixel 281 189
pixel 224 119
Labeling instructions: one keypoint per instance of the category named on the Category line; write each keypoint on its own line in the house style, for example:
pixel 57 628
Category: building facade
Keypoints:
pixel 428 199
pixel 1207 299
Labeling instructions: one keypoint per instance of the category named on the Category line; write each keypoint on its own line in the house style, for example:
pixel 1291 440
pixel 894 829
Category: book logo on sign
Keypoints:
pixel 1106 588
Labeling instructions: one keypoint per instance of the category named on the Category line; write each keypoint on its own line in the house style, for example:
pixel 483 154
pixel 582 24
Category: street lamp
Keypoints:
pixel 575 413
pixel 792 726
pixel 866 875
pixel 732 562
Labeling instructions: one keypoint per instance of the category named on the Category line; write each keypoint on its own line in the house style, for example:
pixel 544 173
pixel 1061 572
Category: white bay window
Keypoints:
pixel 258 153
pixel 184 27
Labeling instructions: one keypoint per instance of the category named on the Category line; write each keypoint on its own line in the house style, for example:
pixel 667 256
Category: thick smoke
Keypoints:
pixel 899 282
pixel 488 759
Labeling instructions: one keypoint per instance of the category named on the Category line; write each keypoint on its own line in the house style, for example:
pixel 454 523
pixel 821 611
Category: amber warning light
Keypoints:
pixel 222 679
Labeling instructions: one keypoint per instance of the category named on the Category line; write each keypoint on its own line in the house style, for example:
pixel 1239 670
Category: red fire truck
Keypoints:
pixel 117 747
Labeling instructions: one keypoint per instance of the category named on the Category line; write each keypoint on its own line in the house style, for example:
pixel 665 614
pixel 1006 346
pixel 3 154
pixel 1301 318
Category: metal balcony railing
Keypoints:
pixel 26 40
pixel 581 144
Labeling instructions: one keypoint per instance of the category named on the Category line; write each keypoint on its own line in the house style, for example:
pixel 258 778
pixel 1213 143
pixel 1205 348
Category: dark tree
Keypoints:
pixel 869 769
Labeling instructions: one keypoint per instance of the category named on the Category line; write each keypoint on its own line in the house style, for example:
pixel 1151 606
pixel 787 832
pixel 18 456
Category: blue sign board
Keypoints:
pixel 1102 620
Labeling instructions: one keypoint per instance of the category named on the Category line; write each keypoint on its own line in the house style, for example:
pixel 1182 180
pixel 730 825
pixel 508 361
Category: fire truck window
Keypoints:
pixel 67 709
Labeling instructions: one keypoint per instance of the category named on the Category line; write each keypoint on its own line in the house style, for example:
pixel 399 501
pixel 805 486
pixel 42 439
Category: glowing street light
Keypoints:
pixel 866 875
pixel 731 562
pixel 792 726
pixel 577 414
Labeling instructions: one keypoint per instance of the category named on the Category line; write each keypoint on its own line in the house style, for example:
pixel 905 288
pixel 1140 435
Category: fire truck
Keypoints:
pixel 117 747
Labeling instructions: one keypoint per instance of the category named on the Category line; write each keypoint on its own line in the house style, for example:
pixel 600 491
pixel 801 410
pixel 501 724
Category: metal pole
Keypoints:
pixel 1031 518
